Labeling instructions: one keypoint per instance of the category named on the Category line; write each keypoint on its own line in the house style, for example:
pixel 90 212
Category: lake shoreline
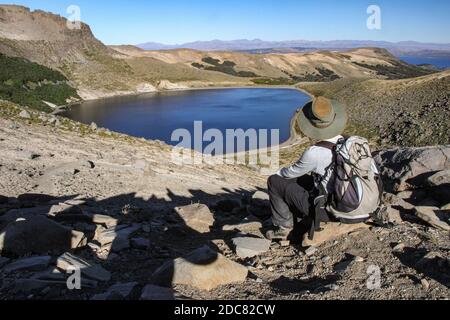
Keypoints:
pixel 294 137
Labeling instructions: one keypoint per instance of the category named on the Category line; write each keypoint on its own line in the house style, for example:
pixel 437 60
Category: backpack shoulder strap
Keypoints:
pixel 326 144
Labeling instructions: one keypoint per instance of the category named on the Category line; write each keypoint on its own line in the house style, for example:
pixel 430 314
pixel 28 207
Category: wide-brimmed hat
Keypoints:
pixel 322 118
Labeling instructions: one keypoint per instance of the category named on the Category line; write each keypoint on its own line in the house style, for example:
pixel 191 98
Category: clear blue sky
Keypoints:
pixel 179 21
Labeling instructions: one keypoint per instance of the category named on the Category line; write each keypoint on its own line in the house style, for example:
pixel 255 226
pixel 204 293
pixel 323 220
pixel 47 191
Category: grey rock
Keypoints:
pixel 93 126
pixel 196 216
pixel 35 199
pixel 68 262
pixel 140 243
pixel 3 261
pixel 259 205
pixel 249 224
pixel 14 214
pixel 407 168
pixel 152 292
pixel 117 291
pixel 425 284
pixel 104 220
pixel 117 237
pixel 203 268
pixel 227 205
pixel 39 235
pixel 342 266
pixel 311 251
pixel 431 215
pixel 24 114
pixel 247 247
pixel 399 247
pixel 37 263
pixel 439 179
pixel 393 215
pixel 63 208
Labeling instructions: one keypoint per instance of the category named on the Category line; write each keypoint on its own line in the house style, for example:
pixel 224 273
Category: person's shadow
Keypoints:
pixel 27 229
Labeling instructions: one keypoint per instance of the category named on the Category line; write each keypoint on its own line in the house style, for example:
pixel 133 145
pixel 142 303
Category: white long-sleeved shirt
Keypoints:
pixel 314 160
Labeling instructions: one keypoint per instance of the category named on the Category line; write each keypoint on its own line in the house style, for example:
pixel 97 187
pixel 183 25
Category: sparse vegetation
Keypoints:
pixel 28 83
pixel 398 70
pixel 225 67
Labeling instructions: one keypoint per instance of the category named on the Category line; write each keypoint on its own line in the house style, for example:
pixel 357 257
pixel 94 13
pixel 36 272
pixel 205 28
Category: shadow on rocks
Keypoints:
pixel 141 235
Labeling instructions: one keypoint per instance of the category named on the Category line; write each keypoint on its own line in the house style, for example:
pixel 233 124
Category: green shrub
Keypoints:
pixel 27 83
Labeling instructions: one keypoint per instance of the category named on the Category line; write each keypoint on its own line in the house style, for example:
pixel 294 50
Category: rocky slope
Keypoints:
pixel 116 207
pixel 410 112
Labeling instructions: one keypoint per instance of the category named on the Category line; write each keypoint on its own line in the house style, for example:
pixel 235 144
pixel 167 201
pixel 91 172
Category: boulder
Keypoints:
pixel 408 168
pixel 196 216
pixel 203 268
pixel 152 292
pixel 39 235
pixel 25 213
pixel 260 205
pixel 247 247
pixel 434 217
pixel 69 262
pixel 29 264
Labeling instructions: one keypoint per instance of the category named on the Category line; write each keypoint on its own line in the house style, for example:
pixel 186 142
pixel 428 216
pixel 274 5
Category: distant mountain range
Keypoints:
pixel 253 46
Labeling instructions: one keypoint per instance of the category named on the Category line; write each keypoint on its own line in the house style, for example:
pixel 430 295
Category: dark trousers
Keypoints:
pixel 289 199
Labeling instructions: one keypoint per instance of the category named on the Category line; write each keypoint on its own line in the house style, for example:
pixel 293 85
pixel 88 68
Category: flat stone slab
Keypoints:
pixel 332 231
pixel 38 263
pixel 431 215
pixel 196 216
pixel 117 291
pixel 117 237
pixel 247 247
pixel 203 268
pixel 69 262
pixel 249 224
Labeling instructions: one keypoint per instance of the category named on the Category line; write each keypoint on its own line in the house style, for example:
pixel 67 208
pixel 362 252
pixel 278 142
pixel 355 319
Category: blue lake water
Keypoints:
pixel 156 116
pixel 439 62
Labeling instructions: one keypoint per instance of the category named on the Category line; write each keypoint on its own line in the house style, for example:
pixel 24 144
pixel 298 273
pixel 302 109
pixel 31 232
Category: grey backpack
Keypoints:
pixel 356 185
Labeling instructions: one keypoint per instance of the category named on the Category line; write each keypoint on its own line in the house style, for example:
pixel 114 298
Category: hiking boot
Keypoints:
pixel 278 233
